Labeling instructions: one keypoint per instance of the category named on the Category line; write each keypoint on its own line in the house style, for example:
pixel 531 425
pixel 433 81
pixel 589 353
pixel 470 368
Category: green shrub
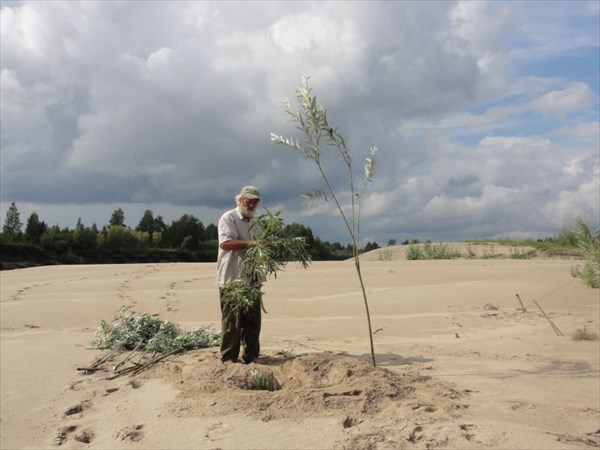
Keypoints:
pixel 432 251
pixel 517 253
pixel 414 252
pixel 385 255
pixel 582 334
pixel 442 251
pixel 589 245
pixel 491 253
pixel 471 254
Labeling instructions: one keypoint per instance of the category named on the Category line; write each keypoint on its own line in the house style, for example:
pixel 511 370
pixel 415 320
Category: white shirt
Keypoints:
pixel 232 226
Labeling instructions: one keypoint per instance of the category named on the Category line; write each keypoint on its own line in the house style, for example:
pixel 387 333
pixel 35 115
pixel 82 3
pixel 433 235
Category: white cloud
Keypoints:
pixel 582 130
pixel 575 97
pixel 582 202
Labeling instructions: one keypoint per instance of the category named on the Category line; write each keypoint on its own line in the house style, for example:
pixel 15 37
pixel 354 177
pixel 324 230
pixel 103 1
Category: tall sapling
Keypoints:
pixel 311 119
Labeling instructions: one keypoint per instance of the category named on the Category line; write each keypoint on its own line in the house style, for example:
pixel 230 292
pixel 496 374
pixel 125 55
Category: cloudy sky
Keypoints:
pixel 485 114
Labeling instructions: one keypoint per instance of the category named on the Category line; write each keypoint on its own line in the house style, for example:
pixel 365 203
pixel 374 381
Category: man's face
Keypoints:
pixel 249 206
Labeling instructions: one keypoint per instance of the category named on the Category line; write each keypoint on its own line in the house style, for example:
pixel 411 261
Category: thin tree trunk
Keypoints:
pixel 364 293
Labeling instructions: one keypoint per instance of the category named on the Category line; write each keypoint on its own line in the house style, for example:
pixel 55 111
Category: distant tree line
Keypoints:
pixel 152 240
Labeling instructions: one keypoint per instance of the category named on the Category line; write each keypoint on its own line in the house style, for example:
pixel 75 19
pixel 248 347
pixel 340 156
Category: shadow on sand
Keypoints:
pixel 391 359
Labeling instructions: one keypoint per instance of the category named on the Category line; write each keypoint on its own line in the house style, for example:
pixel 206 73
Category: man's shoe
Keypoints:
pixel 228 361
pixel 256 360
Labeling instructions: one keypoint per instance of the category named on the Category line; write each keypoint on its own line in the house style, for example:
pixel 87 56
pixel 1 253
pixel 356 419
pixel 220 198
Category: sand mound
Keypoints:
pixel 319 385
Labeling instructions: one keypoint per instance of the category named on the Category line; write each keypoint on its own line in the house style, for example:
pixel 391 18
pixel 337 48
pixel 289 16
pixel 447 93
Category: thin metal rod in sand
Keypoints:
pixel 522 305
pixel 552 324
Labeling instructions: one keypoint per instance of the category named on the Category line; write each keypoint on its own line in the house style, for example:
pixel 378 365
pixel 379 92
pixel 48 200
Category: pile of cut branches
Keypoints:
pixel 274 249
pixel 148 339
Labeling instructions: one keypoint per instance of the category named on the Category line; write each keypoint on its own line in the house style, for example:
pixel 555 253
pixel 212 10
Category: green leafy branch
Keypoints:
pixel 275 248
pixel 150 338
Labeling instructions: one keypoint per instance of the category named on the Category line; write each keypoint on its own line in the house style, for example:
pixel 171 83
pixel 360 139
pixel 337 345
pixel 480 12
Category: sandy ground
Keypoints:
pixel 459 364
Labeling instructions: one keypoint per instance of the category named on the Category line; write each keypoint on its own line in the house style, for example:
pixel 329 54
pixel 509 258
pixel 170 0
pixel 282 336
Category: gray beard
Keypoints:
pixel 247 213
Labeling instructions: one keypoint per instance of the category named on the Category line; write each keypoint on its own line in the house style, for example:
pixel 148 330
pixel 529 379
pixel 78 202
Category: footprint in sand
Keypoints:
pixel 19 294
pixel 63 433
pixel 468 431
pixel 172 292
pixel 124 288
pixel 78 385
pixel 131 433
pixel 109 391
pixel 86 436
pixel 77 409
pixel 217 431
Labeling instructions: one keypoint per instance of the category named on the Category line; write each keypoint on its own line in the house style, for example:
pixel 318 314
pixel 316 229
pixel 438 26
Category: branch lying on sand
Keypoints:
pixel 148 335
pixel 139 367
pixel 97 364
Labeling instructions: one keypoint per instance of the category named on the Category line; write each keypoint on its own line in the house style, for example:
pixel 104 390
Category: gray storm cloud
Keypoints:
pixel 173 103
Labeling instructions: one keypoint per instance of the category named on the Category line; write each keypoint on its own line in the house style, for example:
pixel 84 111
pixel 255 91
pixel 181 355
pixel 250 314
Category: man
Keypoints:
pixel 234 239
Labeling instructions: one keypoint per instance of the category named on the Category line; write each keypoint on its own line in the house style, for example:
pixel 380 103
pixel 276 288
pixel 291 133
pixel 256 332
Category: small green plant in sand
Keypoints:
pixel 263 382
pixel 385 255
pixel 274 249
pixel 429 251
pixel 311 119
pixel 471 254
pixel 518 253
pixel 491 253
pixel 583 334
pixel 148 338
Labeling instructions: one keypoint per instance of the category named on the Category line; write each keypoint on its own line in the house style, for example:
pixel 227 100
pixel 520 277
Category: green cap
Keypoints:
pixel 250 192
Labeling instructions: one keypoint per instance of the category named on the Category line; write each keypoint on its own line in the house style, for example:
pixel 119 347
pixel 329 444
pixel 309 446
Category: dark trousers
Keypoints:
pixel 240 329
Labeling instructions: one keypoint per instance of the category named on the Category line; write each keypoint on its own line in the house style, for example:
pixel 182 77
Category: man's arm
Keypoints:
pixel 234 244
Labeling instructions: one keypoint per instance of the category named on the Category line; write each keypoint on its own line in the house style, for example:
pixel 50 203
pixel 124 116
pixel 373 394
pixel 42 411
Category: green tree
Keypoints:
pixel 34 229
pixel 317 134
pixel 85 238
pixel 211 233
pixel 58 243
pixel 146 222
pixel 179 230
pixel 117 218
pixel 296 229
pixel 159 224
pixel 11 230
pixel 371 246
pixel 151 225
pixel 121 238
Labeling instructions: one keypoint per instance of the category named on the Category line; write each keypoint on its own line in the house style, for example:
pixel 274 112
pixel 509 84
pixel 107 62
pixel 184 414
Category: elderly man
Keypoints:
pixel 234 239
